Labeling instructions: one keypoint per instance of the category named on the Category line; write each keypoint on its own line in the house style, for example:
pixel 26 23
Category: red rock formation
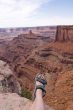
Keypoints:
pixel 64 33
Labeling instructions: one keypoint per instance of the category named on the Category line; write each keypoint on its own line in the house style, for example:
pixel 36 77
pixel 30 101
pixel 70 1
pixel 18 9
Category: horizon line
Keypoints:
pixel 34 26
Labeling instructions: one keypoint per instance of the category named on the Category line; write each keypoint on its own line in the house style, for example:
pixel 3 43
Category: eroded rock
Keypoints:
pixel 64 33
pixel 8 82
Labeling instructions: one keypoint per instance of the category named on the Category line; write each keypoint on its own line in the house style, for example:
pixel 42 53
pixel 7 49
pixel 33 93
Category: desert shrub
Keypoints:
pixel 26 93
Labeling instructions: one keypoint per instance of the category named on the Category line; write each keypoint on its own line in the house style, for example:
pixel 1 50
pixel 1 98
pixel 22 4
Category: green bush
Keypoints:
pixel 25 93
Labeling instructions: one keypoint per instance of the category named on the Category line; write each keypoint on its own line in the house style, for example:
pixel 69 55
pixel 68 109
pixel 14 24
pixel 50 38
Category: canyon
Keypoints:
pixel 46 50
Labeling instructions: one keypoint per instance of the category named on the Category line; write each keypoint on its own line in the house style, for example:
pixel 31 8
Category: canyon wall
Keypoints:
pixel 64 33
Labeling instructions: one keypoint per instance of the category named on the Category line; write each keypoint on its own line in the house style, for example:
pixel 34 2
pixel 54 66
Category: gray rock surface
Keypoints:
pixel 12 101
pixel 8 82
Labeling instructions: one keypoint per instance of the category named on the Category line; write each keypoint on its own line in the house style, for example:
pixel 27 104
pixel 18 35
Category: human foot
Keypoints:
pixel 40 83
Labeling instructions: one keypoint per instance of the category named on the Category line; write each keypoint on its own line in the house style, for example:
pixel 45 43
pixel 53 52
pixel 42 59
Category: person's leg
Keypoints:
pixel 38 103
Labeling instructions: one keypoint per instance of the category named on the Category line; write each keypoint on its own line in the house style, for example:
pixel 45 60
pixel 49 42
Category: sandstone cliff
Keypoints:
pixel 64 33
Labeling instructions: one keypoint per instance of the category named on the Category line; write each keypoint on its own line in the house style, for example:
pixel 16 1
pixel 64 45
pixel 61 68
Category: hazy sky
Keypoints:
pixel 22 13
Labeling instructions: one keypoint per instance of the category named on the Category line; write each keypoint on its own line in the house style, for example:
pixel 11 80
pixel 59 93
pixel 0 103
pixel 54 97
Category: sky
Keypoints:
pixel 29 13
